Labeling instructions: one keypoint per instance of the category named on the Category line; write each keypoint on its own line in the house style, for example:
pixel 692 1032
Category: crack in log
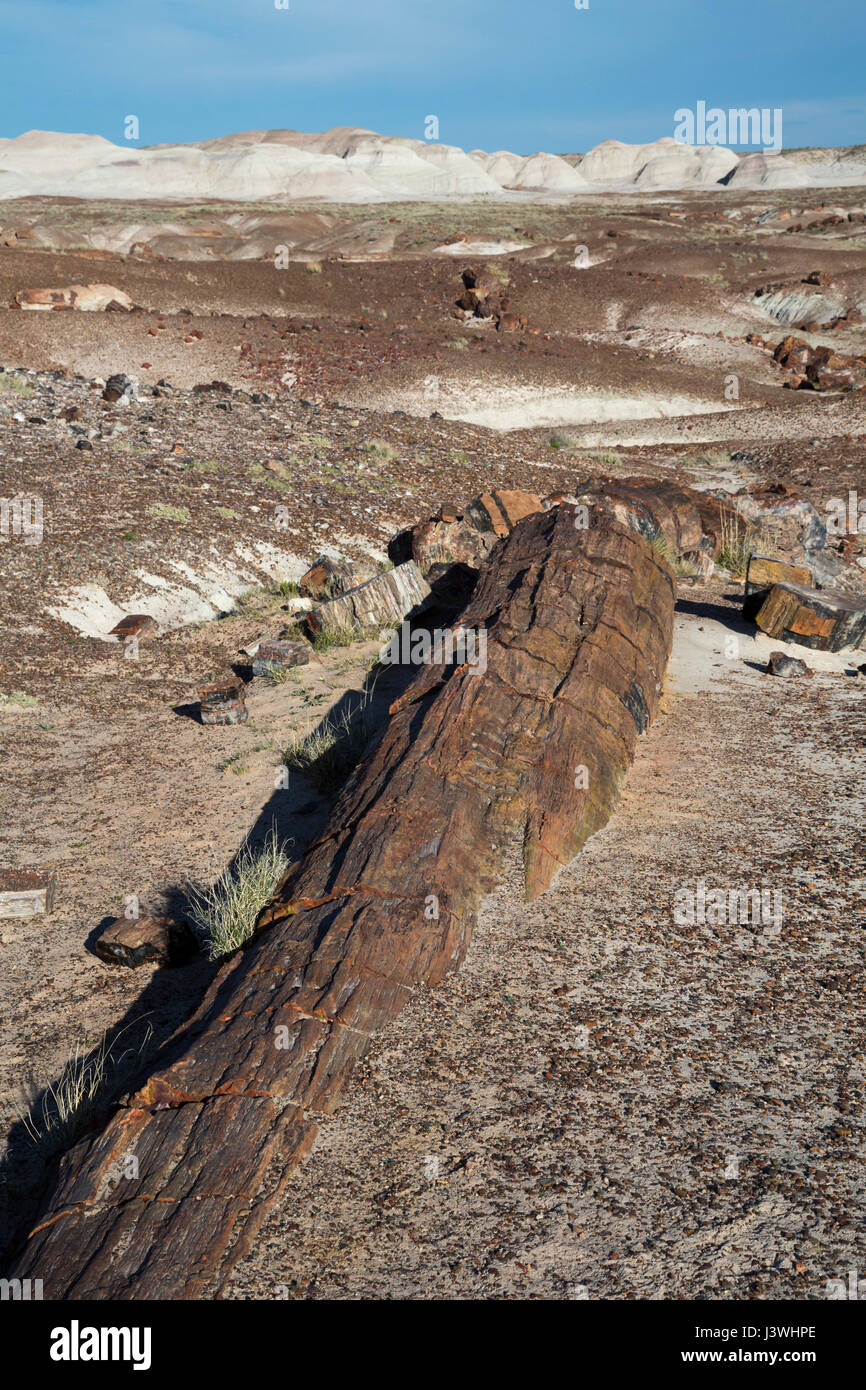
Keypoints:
pixel 197 1128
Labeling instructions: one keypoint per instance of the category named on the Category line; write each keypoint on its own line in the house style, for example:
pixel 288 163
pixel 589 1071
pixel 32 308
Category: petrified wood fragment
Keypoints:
pixel 26 892
pixel 825 619
pixel 134 625
pixel 145 941
pixel 762 572
pixel 326 578
pixel 273 654
pixel 469 536
pixel 690 521
pixel 579 625
pixel 222 702
pixel 384 599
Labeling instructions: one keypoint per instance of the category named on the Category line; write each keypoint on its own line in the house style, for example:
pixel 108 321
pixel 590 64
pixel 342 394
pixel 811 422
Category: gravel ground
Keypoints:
pixel 602 1103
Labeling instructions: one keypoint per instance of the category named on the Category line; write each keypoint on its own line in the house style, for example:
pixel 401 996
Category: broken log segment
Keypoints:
pixel 762 572
pixel 274 655
pixel 385 599
pixel 825 619
pixel 222 702
pixel 690 521
pixel 534 747
pixel 26 892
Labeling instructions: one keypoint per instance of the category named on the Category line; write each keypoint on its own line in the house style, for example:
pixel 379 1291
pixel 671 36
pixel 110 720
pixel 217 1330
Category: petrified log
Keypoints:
pixel 88 297
pixel 690 521
pixel 386 598
pixel 536 746
pixel 824 619
pixel 762 572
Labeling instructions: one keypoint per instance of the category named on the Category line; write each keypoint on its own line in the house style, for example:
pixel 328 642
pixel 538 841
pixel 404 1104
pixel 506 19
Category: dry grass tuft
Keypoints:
pixel 225 914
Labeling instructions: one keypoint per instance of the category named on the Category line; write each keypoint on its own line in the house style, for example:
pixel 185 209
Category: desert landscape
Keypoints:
pixel 339 963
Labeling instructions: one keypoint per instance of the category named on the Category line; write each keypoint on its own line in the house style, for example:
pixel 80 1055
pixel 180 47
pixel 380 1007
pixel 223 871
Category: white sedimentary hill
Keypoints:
pixel 768 171
pixel 353 165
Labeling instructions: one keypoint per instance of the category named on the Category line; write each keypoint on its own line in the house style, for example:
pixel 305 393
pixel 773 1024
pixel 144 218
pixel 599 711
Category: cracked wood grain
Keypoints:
pixel 579 628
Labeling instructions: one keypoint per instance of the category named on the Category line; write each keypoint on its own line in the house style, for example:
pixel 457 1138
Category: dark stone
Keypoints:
pixel 277 655
pixel 145 941
pixel 780 664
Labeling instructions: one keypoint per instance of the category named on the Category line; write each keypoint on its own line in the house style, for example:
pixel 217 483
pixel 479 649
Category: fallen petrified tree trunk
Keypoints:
pixel 579 625
pixel 691 522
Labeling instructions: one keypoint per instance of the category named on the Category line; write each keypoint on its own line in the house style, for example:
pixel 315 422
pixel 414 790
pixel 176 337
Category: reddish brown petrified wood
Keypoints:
pixel 579 626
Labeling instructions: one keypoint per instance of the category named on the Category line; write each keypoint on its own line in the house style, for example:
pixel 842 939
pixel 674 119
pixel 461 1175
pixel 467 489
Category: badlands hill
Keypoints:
pixel 352 165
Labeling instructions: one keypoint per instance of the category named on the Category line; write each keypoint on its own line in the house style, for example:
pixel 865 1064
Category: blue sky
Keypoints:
pixel 523 75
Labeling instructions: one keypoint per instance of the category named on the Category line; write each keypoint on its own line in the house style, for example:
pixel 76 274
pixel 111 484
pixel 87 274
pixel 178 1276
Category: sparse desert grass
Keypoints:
pixel 228 514
pixel 738 543
pixel 20 698
pixel 333 750
pixel 225 914
pixel 662 546
pixel 283 675
pixel 261 598
pixel 561 439
pixel 265 475
pixel 167 511
pixel 339 637
pixel 313 267
pixel 68 1104
pixel 605 457
pixel 13 384
pixel 502 275
pixel 378 449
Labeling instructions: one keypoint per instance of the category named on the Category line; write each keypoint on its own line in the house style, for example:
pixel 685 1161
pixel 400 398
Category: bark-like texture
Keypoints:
pixel 384 599
pixel 824 619
pixel 690 521
pixel 579 630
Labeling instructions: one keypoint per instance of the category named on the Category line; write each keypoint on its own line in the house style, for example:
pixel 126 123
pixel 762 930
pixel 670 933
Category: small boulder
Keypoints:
pixel 222 702
pixel 274 654
pixel 780 664
pixel 145 941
